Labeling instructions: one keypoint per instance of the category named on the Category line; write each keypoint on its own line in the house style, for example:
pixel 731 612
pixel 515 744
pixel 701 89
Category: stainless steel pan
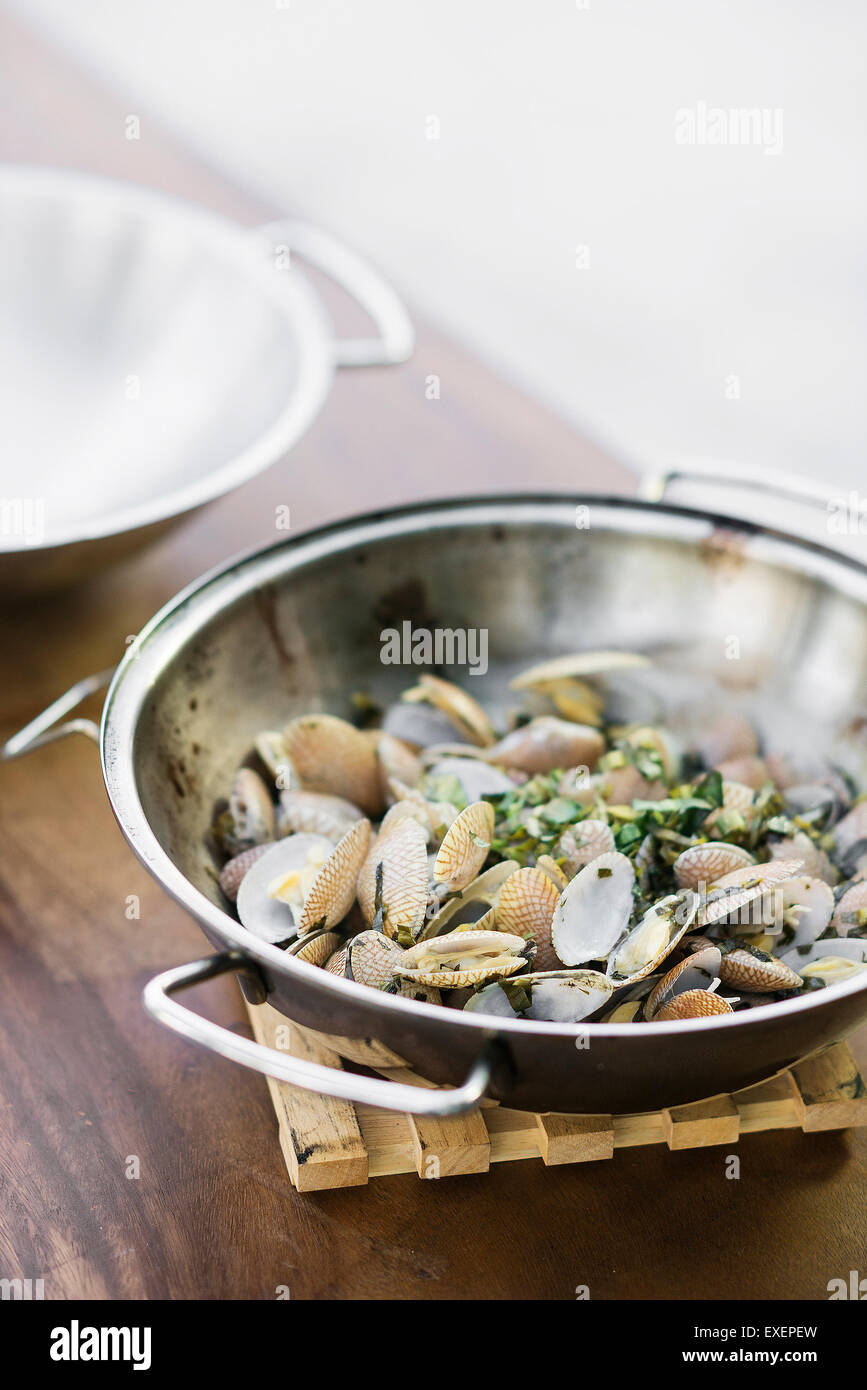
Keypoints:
pixel 297 626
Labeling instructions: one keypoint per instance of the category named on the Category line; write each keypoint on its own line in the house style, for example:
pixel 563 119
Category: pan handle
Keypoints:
pixel 363 1090
pixel 395 334
pixel 788 487
pixel 45 729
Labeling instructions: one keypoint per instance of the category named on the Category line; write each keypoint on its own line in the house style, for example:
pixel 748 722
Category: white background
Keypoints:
pixel 557 131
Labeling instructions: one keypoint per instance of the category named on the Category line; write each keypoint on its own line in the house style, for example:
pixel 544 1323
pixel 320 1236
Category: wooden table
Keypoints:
pixel 90 1082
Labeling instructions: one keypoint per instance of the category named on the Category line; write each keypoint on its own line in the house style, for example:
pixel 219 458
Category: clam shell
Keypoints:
pixel 413 989
pixel 525 907
pixel 813 904
pixel 622 785
pixel 851 829
pixel 332 892
pixel 750 771
pixel 851 948
pixel 659 741
pixel 693 1003
pixel 737 796
pixel 396 761
pixel 332 756
pixel 708 862
pixel 314 947
pixel 547 743
pixel 853 901
pixel 418 725
pixel 579 664
pixel 584 842
pixel 233 872
pixel 552 869
pixel 814 860
pixel 271 749
pixel 475 777
pixel 593 911
pixel 315 813
pixel 465 713
pixel 653 939
pixel 465 846
pixel 693 975
pixel 401 849
pixel 369 959
pixel 753 888
pixel 491 953
pixel 476 899
pixel 267 917
pixel 730 736
pixel 754 972
pixel 249 820
pixel 554 996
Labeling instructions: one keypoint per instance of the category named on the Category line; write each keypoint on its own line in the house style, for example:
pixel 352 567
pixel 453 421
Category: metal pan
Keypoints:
pixel 297 626
pixel 153 356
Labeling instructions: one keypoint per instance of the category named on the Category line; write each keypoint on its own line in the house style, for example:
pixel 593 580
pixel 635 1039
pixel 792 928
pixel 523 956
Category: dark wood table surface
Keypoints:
pixel 89 1080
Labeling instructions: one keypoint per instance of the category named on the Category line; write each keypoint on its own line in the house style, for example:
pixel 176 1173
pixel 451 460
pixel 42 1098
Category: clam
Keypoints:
pixel 294 861
pixel 849 833
pixel 579 665
pixel 851 949
pixel 463 957
pixel 314 947
pixel 705 863
pixel 397 762
pixel 693 1003
pixel 851 910
pixel 301 883
pixel 584 842
pixel 644 949
pixel 746 968
pixel 368 959
pixel 750 771
pixel 411 989
pixel 315 813
pixel 249 818
pixel 474 778
pixel 525 907
pixel 555 996
pixel 418 725
pixel 738 799
pixel 748 896
pixel 234 870
pixel 398 861
pixel 474 903
pixel 630 1011
pixel 593 911
pixel 730 736
pixel 463 712
pixel 434 817
pixel 659 742
pixel 271 750
pixel 552 869
pixel 465 846
pixel 332 756
pixel 813 858
pixel 546 743
pixel 620 786
pixel 332 892
pixel 694 974
pixel 807 905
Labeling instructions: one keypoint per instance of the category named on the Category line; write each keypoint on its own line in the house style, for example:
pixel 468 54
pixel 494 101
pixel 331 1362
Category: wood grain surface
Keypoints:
pixel 90 1084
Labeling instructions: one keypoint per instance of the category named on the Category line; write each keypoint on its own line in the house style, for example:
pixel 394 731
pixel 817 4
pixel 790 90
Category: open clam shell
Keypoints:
pixel 851 910
pixel 704 864
pixel 525 907
pixel 419 725
pixel 463 712
pixel 807 906
pixel 368 959
pixel 401 849
pixel 471 905
pixel 644 949
pixel 593 911
pixel 297 858
pixel 556 996
pixel 694 974
pixel 474 777
pixel 749 969
pixel 747 897
pixel 464 957
pixel 332 892
pixel 248 820
pixel 465 847
pixel 829 960
pixel 578 664
pixel 332 756
pixel 813 858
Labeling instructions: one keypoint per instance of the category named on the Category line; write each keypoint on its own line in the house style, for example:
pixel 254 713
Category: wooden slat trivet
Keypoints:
pixel 329 1143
